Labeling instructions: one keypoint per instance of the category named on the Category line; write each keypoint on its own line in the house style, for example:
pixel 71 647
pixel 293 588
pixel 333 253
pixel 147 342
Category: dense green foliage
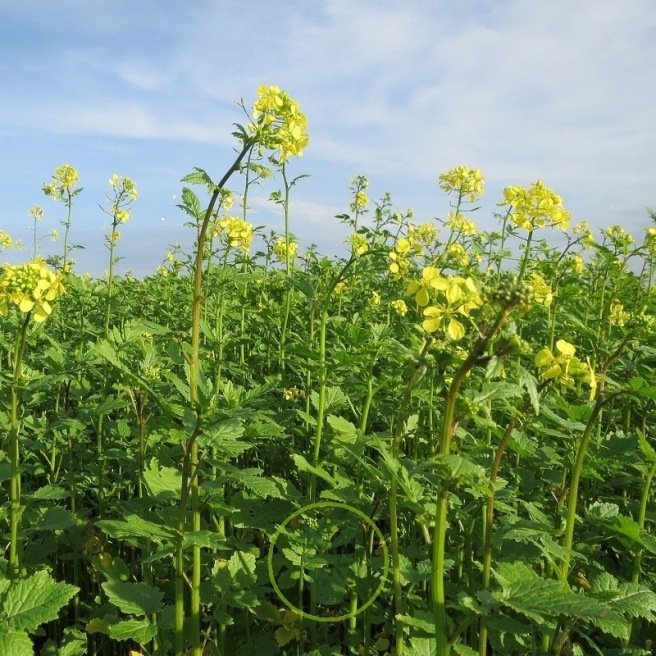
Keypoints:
pixel 432 445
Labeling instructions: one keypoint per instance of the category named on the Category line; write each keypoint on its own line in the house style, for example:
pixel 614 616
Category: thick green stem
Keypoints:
pixel 572 497
pixel 321 409
pixel 438 596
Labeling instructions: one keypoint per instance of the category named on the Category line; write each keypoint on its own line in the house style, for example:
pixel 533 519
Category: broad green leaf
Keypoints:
pixel 133 598
pixel 56 519
pixel 31 602
pixel 459 467
pixel 537 598
pixel 344 429
pixel 607 516
pixel 141 631
pixel 15 643
pixel 422 646
pixel 162 481
pixel 647 449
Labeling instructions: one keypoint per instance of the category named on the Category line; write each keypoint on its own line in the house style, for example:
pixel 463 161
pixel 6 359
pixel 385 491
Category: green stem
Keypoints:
pixel 192 460
pixel 399 422
pixel 15 509
pixel 438 597
pixel 572 497
pixel 322 400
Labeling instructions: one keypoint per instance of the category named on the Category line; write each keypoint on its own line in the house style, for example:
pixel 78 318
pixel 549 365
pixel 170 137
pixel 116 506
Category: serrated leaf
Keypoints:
pixel 15 643
pixel 624 527
pixel 344 429
pixel 459 467
pixel 56 519
pixel 537 598
pixel 31 602
pixel 133 598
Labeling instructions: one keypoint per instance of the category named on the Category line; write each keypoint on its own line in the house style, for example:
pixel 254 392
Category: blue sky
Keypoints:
pixel 562 91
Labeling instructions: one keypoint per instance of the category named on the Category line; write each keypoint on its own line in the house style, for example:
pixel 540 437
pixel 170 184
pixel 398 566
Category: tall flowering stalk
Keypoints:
pixel 30 288
pixel 277 124
pixel 62 187
pixel 124 193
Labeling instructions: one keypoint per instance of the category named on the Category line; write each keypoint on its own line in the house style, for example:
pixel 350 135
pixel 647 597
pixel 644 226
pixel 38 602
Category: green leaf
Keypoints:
pixel 134 527
pixel 625 528
pixel 459 467
pixel 134 598
pixel 646 448
pixel 56 519
pixel 538 599
pixel 141 631
pixel 15 643
pixel 304 466
pixel 162 481
pixel 344 429
pixel 31 602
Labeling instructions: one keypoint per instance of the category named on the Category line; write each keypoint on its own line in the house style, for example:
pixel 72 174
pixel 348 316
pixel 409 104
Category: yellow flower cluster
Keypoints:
pixel 358 243
pixel 465 182
pixel 30 287
pixel 36 212
pixel 400 257
pixel 618 315
pixel 650 240
pixel 565 367
pixel 618 235
pixel 238 233
pixel 460 224
pixel 123 186
pixel 279 125
pixel 541 291
pixel 375 298
pixel 63 180
pixel 399 306
pixel 535 207
pixel 458 253
pixel 422 235
pixel 5 240
pixel 459 296
pixel 280 250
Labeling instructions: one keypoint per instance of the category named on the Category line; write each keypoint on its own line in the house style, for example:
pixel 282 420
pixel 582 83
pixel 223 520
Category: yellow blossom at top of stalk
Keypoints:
pixel 36 212
pixel 63 180
pixel 239 233
pixel 467 183
pixel 618 235
pixel 650 240
pixel 30 287
pixel 280 250
pixel 123 187
pixel 535 207
pixel 279 123
pixel 5 240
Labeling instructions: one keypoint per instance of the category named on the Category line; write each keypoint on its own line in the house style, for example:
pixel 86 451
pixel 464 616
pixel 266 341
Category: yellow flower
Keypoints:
pixel 565 367
pixel 375 298
pixel 422 235
pixel 542 293
pixel 618 316
pixel 30 287
pixel 535 207
pixel 280 249
pixel 5 240
pixel 63 180
pixel 460 224
pixel 36 212
pixel 430 279
pixel 237 232
pixel 460 297
pixel 467 183
pixel 279 123
pixel 358 243
pixel 399 306
pixel 459 254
